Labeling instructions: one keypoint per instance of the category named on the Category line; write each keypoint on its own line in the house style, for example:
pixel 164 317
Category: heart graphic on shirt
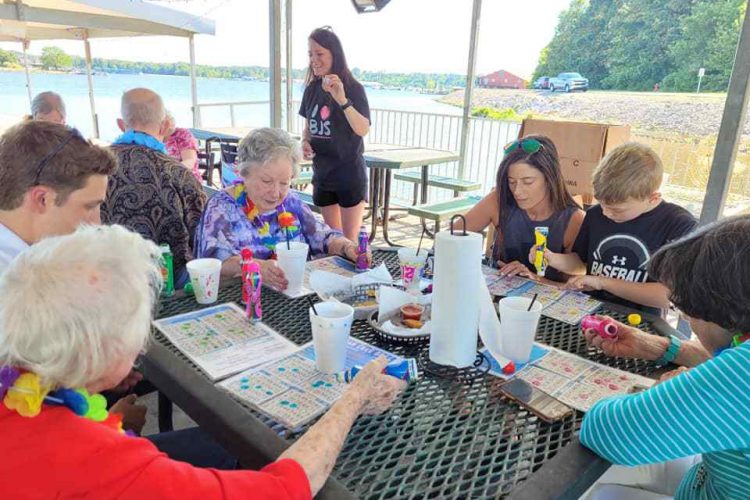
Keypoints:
pixel 325 112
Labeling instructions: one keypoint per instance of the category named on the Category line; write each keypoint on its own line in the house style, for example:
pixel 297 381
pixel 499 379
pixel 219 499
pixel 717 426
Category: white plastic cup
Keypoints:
pixel 204 276
pixel 412 267
pixel 518 326
pixel 330 331
pixel 292 261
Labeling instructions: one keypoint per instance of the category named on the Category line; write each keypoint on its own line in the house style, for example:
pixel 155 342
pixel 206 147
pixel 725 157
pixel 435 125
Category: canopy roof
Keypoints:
pixel 70 19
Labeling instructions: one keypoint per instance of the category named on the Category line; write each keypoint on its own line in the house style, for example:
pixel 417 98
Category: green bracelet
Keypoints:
pixel 671 353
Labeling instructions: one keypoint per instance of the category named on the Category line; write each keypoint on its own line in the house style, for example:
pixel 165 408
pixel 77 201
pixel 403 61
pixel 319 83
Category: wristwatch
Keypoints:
pixel 346 104
pixel 671 353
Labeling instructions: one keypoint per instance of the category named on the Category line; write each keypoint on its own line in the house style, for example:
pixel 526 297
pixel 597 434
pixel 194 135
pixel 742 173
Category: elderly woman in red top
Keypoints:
pixel 75 312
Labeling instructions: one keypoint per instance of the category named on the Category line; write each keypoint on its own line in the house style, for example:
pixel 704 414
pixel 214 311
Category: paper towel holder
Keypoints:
pixel 463 219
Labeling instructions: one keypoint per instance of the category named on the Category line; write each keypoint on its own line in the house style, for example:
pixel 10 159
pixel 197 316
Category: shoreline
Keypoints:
pixel 693 117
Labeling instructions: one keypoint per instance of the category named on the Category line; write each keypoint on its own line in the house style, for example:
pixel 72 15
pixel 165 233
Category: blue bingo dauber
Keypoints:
pixel 406 369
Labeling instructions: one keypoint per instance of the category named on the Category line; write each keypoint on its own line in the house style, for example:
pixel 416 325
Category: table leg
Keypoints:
pixel 425 187
pixel 209 168
pixel 375 179
pixel 387 207
pixel 165 413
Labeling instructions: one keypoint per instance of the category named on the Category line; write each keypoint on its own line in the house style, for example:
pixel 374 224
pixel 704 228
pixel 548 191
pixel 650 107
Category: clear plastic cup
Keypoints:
pixel 204 276
pixel 412 267
pixel 518 327
pixel 292 261
pixel 330 331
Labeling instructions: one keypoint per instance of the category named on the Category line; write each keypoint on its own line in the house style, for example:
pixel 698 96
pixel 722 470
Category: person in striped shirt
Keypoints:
pixel 702 408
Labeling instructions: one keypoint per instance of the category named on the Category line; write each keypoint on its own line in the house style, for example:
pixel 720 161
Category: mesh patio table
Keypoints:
pixel 443 438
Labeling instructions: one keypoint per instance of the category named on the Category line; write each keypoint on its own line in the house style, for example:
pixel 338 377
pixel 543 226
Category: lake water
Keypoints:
pixel 175 90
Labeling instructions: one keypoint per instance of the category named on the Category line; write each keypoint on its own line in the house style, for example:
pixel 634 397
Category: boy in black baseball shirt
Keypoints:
pixel 619 235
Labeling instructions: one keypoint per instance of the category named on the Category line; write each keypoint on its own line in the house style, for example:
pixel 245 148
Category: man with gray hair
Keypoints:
pixel 49 107
pixel 151 193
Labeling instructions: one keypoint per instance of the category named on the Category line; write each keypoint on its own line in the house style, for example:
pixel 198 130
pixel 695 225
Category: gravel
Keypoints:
pixel 684 114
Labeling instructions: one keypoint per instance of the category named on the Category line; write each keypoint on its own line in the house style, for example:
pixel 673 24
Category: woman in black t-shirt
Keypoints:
pixel 338 116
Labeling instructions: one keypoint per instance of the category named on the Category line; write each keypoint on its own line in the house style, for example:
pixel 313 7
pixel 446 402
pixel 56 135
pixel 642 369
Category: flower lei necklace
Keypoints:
pixel 23 392
pixel 287 220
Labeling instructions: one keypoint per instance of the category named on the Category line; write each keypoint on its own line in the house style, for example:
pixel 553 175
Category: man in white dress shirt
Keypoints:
pixel 51 181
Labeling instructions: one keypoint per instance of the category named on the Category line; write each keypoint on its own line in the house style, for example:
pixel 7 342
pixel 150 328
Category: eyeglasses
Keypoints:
pixel 44 161
pixel 529 146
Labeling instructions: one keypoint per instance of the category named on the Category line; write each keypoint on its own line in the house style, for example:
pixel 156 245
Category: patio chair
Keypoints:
pixel 229 172
pixel 206 166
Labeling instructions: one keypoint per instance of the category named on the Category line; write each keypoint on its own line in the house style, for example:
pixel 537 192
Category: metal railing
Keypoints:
pixel 438 131
pixel 686 161
pixel 232 107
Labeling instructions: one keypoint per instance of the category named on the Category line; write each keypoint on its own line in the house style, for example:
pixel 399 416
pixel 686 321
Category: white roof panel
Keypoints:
pixel 66 19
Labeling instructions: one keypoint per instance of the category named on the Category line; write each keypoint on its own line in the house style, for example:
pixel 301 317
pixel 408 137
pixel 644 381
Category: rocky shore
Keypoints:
pixel 695 115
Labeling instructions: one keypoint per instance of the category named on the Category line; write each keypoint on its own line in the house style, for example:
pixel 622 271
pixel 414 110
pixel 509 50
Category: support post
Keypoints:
pixel 194 85
pixel 466 119
pixel 90 78
pixel 289 76
pixel 274 63
pixel 730 130
pixel 25 44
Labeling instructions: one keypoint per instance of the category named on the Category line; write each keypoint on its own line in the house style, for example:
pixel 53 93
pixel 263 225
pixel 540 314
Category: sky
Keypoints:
pixel 429 36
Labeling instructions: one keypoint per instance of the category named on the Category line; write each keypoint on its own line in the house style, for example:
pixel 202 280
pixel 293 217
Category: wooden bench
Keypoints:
pixel 444 210
pixel 306 198
pixel 439 181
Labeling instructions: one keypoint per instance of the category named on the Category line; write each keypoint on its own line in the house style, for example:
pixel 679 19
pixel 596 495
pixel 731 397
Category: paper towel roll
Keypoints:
pixel 455 298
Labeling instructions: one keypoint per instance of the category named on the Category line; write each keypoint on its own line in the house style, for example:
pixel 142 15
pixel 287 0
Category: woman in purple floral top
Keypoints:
pixel 247 215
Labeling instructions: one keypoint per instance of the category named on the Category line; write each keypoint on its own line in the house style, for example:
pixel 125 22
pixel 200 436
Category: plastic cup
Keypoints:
pixel 330 331
pixel 204 276
pixel 518 326
pixel 412 266
pixel 292 261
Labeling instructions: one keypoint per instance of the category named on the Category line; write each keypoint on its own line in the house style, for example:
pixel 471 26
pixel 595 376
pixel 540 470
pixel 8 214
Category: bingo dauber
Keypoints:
pixel 405 369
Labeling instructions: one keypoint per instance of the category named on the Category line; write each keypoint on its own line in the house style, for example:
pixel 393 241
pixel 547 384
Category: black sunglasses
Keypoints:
pixel 43 162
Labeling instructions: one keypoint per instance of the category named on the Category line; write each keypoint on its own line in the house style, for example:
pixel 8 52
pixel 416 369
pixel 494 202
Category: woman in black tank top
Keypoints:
pixel 529 192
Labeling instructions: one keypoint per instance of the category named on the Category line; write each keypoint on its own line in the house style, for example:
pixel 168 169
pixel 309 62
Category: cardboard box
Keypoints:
pixel 581 146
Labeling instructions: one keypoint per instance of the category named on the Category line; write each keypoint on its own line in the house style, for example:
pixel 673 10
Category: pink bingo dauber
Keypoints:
pixel 605 327
pixel 364 242
pixel 253 309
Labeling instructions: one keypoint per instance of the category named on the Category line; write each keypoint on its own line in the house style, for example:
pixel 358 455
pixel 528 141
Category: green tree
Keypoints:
pixel 709 40
pixel 563 52
pixel 7 58
pixel 642 32
pixel 55 58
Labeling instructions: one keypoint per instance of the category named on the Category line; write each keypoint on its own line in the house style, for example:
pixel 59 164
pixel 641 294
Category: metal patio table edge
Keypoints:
pixel 240 432
pixel 256 444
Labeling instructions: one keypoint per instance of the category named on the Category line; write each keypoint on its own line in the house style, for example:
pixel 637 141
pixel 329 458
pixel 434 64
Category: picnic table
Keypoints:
pixel 382 163
pixel 443 438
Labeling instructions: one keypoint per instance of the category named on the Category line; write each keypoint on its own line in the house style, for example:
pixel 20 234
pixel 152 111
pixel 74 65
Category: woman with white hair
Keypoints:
pixel 58 348
pixel 49 107
pixel 260 212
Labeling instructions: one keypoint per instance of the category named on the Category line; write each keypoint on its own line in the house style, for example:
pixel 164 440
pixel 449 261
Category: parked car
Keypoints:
pixel 569 82
pixel 541 83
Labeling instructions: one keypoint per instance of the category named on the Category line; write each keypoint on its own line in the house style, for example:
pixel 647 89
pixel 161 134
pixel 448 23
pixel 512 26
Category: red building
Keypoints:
pixel 501 80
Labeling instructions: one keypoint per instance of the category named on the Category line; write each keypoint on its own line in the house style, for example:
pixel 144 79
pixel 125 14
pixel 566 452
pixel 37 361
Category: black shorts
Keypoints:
pixel 345 198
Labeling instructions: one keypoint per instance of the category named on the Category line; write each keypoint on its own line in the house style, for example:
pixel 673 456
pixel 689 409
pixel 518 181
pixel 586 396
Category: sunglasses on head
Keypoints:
pixel 529 146
pixel 44 161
